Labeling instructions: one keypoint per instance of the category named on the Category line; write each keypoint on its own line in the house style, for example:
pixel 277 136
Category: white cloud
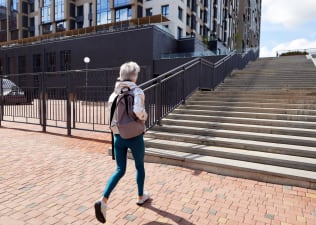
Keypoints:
pixel 288 13
pixel 298 44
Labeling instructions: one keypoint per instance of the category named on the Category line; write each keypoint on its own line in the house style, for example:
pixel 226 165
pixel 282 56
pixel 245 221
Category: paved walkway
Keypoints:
pixel 53 179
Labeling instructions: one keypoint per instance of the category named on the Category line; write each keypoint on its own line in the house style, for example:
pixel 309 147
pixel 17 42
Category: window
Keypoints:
pixel 25 8
pixel 123 14
pixel 165 10
pixel 118 3
pixel 103 12
pixel 61 26
pixel 90 14
pixel 180 13
pixel 25 21
pixel 149 12
pixel 179 32
pixel 47 28
pixel 51 62
pixel 188 20
pixel 14 5
pixel 31 6
pixel 37 67
pixel 46 11
pixel 65 60
pixel 22 64
pixel 59 10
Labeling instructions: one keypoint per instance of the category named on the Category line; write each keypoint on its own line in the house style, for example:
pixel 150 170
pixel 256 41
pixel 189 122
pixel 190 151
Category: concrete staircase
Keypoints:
pixel 259 124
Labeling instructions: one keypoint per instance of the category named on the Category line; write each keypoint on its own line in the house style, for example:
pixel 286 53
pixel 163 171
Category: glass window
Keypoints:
pixel 65 60
pixel 179 32
pixel 25 8
pixel 165 10
pixel 118 3
pixel 25 21
pixel 61 26
pixel 180 13
pixel 22 64
pixel 103 12
pixel 123 14
pixel 149 12
pixel 51 61
pixel 14 5
pixel 47 28
pixel 59 10
pixel 46 11
pixel 37 67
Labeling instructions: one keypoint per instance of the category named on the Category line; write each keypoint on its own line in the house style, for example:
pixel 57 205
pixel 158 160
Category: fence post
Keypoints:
pixel 183 86
pixel 43 114
pixel 68 90
pixel 1 100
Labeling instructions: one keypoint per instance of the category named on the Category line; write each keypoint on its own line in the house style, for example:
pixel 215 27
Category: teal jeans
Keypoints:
pixel 137 147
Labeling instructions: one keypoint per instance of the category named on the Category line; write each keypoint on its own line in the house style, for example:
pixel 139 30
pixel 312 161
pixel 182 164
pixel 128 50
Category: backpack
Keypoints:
pixel 123 117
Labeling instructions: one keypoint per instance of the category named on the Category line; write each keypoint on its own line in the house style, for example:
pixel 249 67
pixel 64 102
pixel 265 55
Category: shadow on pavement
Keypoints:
pixel 177 219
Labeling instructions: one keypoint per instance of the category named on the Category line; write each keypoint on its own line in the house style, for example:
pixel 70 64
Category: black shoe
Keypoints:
pixel 98 212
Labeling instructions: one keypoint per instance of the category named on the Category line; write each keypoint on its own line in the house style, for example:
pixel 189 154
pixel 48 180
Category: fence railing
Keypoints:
pixel 78 99
pixel 167 91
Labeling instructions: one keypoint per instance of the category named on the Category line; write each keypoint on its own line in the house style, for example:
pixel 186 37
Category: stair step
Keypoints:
pixel 267 122
pixel 249 109
pixel 237 154
pixel 242 127
pixel 291 117
pixel 296 150
pixel 251 104
pixel 252 136
pixel 236 168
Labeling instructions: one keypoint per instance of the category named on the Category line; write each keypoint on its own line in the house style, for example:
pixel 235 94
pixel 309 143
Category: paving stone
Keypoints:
pixel 212 212
pixel 207 189
pixel 269 216
pixel 187 210
pixel 130 217
pixel 65 176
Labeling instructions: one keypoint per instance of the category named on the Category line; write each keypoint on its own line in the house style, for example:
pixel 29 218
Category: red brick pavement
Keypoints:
pixel 53 179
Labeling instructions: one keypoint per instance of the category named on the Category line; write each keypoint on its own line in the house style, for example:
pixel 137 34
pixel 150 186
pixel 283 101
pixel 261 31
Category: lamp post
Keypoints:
pixel 86 60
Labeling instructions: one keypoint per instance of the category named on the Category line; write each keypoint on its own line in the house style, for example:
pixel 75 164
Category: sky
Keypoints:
pixel 287 25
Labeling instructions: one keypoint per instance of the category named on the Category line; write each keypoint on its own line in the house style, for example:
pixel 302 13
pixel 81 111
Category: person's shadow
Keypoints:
pixel 177 219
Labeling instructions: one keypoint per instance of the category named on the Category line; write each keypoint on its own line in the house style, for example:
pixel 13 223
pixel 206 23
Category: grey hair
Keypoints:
pixel 129 71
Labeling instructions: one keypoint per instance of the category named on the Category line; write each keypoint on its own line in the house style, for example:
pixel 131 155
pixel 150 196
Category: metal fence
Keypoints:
pixel 170 89
pixel 70 99
pixel 78 99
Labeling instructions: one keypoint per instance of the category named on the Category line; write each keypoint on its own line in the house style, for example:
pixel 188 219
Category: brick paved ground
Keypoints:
pixel 53 179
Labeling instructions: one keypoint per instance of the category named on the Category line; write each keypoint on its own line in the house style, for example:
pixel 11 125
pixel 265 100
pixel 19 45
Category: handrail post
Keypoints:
pixel 183 86
pixel 158 102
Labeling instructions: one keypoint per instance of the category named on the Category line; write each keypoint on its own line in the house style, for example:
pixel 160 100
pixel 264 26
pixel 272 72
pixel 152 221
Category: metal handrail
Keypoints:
pixel 171 88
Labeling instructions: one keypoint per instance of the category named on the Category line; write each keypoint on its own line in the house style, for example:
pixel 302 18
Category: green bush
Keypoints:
pixel 294 53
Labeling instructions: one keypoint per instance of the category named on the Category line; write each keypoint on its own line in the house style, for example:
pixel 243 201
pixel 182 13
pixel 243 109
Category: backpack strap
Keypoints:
pixel 113 106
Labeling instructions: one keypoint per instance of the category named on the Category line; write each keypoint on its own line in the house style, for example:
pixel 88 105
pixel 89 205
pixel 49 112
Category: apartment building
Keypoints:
pixel 224 24
pixel 249 21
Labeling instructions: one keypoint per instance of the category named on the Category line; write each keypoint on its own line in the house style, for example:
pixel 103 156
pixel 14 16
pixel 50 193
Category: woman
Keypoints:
pixel 128 77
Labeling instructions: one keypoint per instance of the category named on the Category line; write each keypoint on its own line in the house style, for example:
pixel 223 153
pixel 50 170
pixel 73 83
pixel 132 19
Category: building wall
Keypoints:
pixel 174 6
pixel 142 45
